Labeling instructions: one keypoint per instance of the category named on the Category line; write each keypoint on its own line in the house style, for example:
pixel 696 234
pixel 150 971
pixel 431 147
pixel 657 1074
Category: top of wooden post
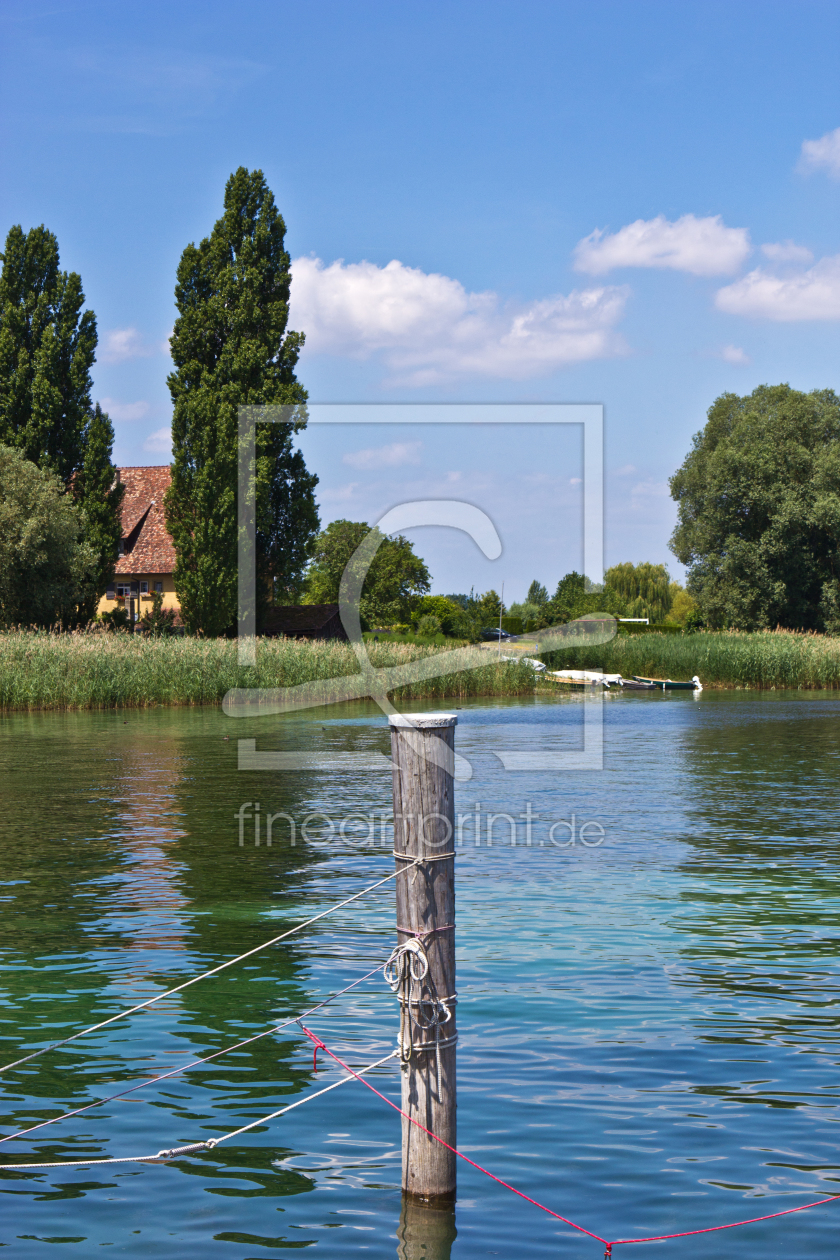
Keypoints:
pixel 423 721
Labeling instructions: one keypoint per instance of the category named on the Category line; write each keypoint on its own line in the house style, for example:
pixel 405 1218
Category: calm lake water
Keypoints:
pixel 648 1026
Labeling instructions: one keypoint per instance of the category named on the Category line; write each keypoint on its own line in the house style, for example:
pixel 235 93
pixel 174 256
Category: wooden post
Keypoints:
pixel 423 757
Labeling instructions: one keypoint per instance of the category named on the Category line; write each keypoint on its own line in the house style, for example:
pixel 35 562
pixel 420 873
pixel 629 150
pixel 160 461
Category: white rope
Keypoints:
pixel 164 1076
pixel 308 1098
pixel 141 1006
pixel 407 974
pixel 212 1142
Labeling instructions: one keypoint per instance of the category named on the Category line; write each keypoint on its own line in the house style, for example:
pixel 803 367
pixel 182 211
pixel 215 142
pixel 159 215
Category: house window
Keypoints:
pixel 123 590
pixel 158 588
pixel 144 588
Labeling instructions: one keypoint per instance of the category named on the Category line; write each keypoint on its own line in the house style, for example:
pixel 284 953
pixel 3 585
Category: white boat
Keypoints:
pixel 583 676
pixel 537 666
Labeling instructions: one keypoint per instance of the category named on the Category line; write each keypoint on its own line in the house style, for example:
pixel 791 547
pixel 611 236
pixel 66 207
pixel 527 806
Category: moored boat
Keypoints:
pixel 668 684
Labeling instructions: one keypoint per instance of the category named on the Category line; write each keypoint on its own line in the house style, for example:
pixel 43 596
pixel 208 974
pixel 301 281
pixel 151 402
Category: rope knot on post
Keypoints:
pixel 407 974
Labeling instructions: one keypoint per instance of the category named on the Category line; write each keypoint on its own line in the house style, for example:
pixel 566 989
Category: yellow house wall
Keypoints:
pixel 170 599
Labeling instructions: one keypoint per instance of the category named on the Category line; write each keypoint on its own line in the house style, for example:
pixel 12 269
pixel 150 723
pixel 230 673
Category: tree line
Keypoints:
pixel 758 495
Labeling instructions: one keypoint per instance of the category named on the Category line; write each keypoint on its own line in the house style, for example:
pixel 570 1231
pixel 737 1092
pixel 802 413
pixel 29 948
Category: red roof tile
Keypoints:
pixel 147 545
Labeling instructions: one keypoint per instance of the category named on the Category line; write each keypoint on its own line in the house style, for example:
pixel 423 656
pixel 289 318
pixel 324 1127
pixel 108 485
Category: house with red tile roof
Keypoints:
pixel 146 561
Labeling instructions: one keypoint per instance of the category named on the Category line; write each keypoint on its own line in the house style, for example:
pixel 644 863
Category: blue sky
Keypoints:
pixel 634 204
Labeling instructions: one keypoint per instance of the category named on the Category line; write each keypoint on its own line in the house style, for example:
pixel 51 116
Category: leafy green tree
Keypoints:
pixel 428 626
pixel 759 511
pixel 158 621
pixel 441 607
pixel 490 608
pixel 47 349
pixel 395 581
pixel 683 605
pixel 576 596
pixel 46 569
pixel 231 348
pixel 645 589
pixel 99 496
pixel 537 594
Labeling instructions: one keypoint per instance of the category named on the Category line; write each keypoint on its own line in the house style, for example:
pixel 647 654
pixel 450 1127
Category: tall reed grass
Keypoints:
pixel 88 671
pixel 772 658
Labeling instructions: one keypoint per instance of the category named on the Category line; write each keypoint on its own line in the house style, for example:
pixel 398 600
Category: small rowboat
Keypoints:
pixel 668 684
pixel 639 684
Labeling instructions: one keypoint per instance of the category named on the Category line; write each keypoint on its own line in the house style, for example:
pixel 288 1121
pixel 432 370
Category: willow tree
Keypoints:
pixel 47 349
pixel 646 589
pixel 231 348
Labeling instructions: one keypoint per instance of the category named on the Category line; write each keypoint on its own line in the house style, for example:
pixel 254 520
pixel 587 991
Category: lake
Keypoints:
pixel 648 1023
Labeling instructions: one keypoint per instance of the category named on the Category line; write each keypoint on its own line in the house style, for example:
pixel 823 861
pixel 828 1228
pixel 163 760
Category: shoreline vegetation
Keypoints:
pixel 41 670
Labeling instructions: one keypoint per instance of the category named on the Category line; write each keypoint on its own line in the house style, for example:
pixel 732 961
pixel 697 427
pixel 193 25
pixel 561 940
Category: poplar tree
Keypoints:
pixel 231 348
pixel 47 349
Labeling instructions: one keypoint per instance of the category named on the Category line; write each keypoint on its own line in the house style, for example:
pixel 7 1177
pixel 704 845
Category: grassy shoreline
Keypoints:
pixel 730 659
pixel 98 671
pixel 44 671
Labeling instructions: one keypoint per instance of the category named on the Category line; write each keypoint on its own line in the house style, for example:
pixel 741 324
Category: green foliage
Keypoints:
pixel 428 626
pixel 46 570
pixel 231 348
pixel 576 596
pixel 645 590
pixel 537 594
pixel 513 625
pixel 441 607
pixel 100 495
pixel 47 350
pixel 759 510
pixel 158 620
pixel 490 608
pixel 395 581
pixel 526 612
pixel 683 605
pixel 115 619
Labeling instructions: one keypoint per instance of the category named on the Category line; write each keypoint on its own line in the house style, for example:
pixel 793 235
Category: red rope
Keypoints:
pixel 320 1045
pixel 688 1233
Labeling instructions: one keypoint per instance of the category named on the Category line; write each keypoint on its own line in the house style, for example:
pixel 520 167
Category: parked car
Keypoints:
pixel 495 634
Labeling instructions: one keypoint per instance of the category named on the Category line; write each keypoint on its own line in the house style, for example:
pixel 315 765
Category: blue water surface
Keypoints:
pixel 648 1021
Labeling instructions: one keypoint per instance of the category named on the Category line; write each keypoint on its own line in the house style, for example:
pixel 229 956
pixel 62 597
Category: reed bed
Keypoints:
pixel 730 659
pixel 39 670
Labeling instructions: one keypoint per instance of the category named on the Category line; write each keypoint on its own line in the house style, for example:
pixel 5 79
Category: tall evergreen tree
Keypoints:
pixel 47 350
pixel 231 347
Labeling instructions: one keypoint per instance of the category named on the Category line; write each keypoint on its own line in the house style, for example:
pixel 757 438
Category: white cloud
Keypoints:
pixel 811 294
pixel 704 247
pixel 626 471
pixel 429 328
pixel 124 343
pixel 651 490
pixel 787 251
pixel 340 494
pixel 160 440
pixel 735 355
pixel 124 411
pixel 822 154
pixel 394 455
